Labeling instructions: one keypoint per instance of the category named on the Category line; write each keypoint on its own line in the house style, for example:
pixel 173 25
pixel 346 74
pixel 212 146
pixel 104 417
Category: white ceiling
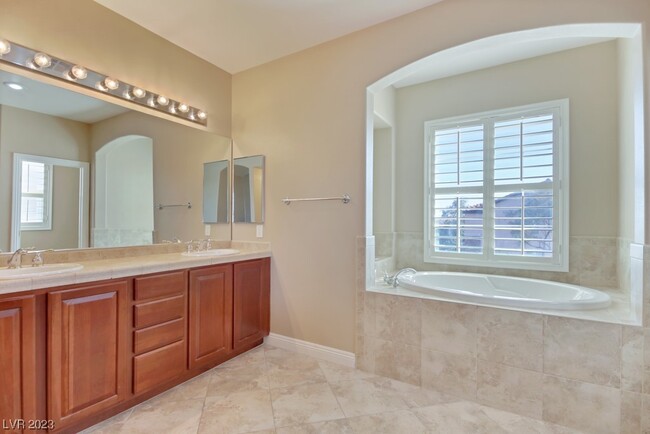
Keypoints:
pixel 239 34
pixel 55 101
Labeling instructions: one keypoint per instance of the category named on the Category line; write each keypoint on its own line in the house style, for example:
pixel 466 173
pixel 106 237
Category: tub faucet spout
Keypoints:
pixel 393 280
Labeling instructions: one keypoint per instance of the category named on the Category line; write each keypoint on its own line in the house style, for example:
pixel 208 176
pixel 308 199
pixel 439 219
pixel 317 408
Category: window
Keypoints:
pixel 35 196
pixel 497 188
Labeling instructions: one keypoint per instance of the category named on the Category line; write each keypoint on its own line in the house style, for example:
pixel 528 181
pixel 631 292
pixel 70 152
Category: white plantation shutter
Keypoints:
pixel 35 196
pixel 493 184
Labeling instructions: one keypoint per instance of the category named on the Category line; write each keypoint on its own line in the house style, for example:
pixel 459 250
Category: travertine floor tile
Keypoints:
pixel 240 412
pixel 269 390
pixel 304 404
pixel 177 417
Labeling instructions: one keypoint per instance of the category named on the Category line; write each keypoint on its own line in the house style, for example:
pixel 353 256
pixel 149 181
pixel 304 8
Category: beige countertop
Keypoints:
pixel 114 268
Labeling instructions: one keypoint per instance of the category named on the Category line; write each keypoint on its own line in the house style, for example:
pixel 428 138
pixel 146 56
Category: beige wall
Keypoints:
pixel 382 180
pixel 33 133
pixel 65 214
pixel 307 113
pixel 587 76
pixel 626 99
pixel 84 31
pixel 178 156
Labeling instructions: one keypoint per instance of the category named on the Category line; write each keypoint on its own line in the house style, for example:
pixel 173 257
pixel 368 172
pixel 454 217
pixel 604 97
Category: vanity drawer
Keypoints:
pixel 160 285
pixel 159 311
pixel 159 335
pixel 158 366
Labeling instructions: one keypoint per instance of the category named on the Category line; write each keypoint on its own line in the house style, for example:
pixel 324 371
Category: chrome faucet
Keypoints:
pixel 392 280
pixel 16 259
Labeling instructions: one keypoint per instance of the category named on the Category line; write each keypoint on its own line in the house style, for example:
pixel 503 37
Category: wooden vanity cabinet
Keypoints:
pixel 18 359
pixel 210 329
pixel 251 299
pixel 88 353
pixel 78 354
pixel 159 329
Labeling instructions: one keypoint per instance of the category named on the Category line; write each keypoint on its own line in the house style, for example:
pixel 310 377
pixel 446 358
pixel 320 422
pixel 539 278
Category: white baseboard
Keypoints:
pixel 316 351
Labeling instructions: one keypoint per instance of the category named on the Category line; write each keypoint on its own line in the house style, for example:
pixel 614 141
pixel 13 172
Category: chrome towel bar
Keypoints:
pixel 187 205
pixel 345 199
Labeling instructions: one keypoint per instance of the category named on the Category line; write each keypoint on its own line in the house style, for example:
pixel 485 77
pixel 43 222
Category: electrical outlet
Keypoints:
pixel 259 231
pixel 206 230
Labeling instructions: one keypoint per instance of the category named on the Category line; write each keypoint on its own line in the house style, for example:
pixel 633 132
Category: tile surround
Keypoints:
pixel 580 374
pixel 593 261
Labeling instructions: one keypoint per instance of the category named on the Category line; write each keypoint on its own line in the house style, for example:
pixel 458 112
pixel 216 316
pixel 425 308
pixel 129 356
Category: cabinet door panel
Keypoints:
pixel 160 285
pixel 158 336
pixel 157 312
pixel 18 358
pixel 251 301
pixel 158 366
pixel 88 362
pixel 210 314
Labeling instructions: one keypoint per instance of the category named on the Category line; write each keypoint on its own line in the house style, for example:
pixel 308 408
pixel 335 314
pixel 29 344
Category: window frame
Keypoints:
pixel 46 224
pixel 560 259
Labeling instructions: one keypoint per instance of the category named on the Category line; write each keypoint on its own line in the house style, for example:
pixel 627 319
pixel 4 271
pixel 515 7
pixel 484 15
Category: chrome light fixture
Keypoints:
pixel 33 60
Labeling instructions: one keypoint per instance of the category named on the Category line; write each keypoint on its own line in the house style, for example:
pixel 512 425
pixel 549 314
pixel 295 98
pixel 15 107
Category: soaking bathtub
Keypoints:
pixel 505 291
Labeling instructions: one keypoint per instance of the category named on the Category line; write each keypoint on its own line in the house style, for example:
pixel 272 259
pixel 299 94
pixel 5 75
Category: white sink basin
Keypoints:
pixel 211 252
pixel 44 270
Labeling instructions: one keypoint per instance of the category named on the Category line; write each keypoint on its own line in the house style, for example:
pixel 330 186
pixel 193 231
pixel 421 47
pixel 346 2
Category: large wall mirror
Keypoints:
pixel 77 172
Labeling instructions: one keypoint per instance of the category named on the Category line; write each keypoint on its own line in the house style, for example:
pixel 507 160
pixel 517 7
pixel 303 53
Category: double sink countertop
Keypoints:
pixel 102 264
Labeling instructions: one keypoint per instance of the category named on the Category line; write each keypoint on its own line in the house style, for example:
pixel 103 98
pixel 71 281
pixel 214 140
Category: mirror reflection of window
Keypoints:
pixel 36 196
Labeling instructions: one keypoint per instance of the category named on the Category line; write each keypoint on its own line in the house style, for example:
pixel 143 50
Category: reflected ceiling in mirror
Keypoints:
pixel 136 160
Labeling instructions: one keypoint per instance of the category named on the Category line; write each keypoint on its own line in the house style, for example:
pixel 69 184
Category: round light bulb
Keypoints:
pixel 162 100
pixel 138 92
pixel 183 108
pixel 42 60
pixel 202 115
pixel 5 47
pixel 111 83
pixel 78 72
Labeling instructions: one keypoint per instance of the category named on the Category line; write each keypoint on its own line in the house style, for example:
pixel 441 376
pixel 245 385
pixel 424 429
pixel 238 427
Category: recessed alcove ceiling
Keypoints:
pixel 239 34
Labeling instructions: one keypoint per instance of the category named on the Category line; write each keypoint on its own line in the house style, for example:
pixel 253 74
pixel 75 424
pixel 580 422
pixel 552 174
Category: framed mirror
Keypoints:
pixel 117 177
pixel 216 191
pixel 248 189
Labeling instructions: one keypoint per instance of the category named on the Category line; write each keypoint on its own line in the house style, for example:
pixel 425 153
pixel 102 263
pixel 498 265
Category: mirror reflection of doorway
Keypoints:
pixel 124 201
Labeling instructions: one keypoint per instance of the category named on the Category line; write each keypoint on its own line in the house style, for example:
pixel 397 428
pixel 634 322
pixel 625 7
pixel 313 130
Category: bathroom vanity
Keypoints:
pixel 75 354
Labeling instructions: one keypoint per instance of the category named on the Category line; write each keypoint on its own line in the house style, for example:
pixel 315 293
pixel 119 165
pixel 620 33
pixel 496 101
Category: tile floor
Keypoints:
pixel 270 390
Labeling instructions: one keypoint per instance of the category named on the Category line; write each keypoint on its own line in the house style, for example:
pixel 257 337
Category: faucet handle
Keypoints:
pixel 37 260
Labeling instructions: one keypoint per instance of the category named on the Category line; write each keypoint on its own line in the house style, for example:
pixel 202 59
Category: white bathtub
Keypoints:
pixel 505 291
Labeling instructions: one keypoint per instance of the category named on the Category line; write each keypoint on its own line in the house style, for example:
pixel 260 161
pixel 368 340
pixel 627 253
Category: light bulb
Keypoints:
pixel 111 83
pixel 183 108
pixel 138 92
pixel 78 72
pixel 13 85
pixel 42 60
pixel 162 100
pixel 5 47
pixel 202 115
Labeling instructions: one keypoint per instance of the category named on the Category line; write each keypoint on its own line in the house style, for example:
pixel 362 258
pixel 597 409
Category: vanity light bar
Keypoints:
pixel 24 57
